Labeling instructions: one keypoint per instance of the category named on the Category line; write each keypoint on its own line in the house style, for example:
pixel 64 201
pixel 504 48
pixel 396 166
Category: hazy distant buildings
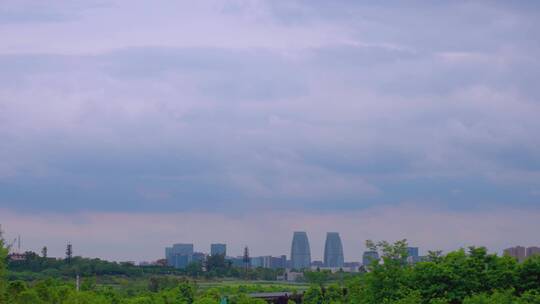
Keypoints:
pixel 168 256
pixel 179 255
pixel 317 264
pixel 257 262
pixel 269 261
pixel 333 250
pixel 412 251
pixel 216 249
pixel 517 252
pixel 198 257
pixel 351 265
pixel 300 251
pixel 521 253
pixel 278 262
pixel 236 261
pixel 261 261
pixel 412 255
pixel 533 251
pixel 369 256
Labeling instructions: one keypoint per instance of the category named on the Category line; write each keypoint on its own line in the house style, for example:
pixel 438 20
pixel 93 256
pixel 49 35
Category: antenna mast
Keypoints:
pixel 246 260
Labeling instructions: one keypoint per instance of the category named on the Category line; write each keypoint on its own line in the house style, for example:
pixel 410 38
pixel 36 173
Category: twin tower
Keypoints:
pixel 301 252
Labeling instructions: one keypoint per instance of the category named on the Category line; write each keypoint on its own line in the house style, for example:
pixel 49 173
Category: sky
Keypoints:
pixel 126 126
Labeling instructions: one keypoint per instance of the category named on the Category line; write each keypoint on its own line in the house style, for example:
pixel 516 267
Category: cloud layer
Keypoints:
pixel 249 107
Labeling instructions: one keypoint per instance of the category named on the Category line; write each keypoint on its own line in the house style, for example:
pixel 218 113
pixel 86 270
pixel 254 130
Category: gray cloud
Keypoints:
pixel 245 105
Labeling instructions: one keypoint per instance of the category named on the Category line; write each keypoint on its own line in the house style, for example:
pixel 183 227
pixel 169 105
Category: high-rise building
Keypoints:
pixel 369 256
pixel 198 257
pixel 183 249
pixel 169 256
pixel 517 252
pixel 182 260
pixel 300 251
pixel 412 255
pixel 257 262
pixel 216 249
pixel 279 262
pixel 179 255
pixel 262 261
pixel 533 251
pixel 333 250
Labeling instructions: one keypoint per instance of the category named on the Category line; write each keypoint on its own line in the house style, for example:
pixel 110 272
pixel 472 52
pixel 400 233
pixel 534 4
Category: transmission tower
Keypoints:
pixel 246 260
pixel 69 252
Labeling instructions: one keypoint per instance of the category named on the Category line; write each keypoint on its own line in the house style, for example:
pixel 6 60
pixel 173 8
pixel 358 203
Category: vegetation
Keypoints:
pixel 3 257
pixel 35 267
pixel 469 276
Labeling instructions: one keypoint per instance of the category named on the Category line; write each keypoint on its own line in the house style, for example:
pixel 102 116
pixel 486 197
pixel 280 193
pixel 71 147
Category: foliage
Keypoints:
pixel 463 276
pixel 528 274
pixel 317 277
pixel 313 295
pixel 3 257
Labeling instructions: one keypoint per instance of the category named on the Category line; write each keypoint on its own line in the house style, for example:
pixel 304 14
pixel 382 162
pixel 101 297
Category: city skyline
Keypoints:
pixel 126 126
pixel 258 242
pixel 195 249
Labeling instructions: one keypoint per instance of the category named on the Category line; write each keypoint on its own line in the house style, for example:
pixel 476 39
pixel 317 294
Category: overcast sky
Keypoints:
pixel 129 125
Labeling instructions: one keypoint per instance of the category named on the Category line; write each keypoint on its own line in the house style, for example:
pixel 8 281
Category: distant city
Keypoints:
pixel 521 253
pixel 182 254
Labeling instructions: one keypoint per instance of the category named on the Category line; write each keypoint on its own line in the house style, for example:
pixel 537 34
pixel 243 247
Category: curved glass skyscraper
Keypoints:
pixel 333 250
pixel 300 251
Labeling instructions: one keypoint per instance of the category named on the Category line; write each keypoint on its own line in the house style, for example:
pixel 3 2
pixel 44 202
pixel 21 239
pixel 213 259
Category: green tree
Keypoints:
pixel 333 294
pixel 194 269
pixel 88 284
pixel 528 274
pixel 29 296
pixel 313 295
pixel 530 297
pixel 14 290
pixel 432 280
pixel 212 293
pixel 317 277
pixel 498 297
pixel 387 281
pixel 356 290
pixel 46 291
pixel 413 297
pixel 186 292
pixel 3 258
pixel 85 297
pixel 206 300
